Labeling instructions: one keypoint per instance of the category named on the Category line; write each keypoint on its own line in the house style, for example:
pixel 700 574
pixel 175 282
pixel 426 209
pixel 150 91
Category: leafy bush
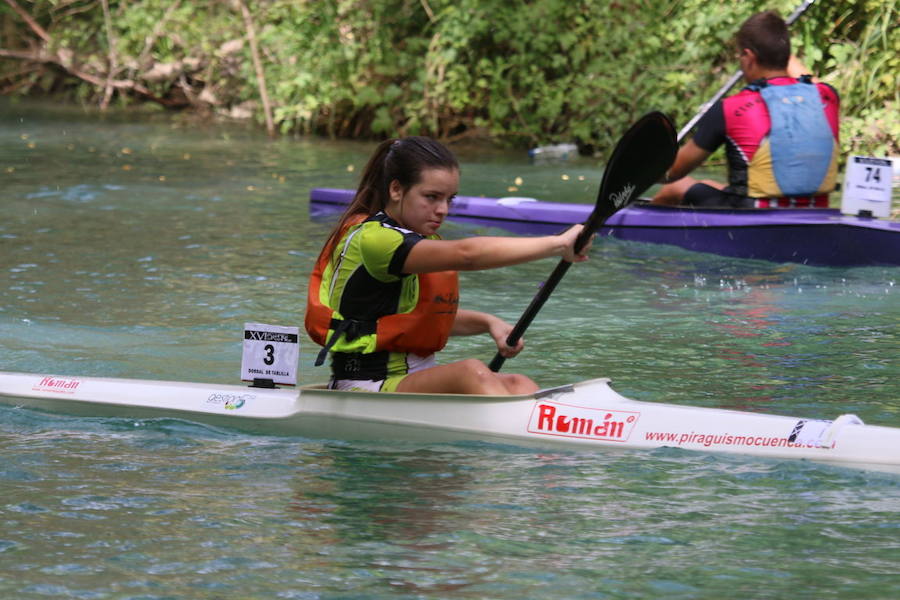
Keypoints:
pixel 520 73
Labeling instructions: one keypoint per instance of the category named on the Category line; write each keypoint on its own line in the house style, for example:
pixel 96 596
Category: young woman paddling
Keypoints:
pixel 384 296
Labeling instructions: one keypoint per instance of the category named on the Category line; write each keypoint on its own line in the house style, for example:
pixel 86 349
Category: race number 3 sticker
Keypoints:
pixel 270 352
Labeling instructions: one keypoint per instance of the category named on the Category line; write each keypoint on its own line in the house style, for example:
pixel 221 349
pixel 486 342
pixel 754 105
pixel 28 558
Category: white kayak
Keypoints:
pixel 585 415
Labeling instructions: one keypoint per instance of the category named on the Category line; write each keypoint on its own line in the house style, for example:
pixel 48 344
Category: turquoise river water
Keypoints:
pixel 138 247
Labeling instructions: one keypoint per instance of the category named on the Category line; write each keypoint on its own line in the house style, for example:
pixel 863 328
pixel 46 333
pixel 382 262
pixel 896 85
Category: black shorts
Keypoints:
pixel 706 196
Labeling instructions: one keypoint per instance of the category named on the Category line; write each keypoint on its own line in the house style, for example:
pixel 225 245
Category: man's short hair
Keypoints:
pixel 767 35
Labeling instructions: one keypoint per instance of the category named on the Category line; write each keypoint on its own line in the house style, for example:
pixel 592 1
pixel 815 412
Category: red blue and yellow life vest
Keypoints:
pixel 781 140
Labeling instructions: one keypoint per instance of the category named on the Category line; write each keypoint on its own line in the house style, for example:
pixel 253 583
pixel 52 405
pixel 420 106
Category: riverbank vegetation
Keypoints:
pixel 519 73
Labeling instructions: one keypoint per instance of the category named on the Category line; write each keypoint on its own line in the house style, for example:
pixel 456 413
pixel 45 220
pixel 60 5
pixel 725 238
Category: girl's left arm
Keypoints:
pixel 473 322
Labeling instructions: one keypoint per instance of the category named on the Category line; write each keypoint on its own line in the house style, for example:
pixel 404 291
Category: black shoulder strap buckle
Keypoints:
pixel 350 328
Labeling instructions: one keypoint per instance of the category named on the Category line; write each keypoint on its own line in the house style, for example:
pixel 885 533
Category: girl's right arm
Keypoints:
pixel 480 253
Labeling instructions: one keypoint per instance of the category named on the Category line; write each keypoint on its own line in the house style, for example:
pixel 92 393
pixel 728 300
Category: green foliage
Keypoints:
pixel 521 73
pixel 855 46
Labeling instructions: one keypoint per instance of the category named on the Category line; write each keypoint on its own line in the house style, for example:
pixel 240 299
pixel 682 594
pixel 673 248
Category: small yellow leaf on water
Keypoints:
pixel 518 181
pixel 162 177
pixel 512 188
pixel 581 178
pixel 350 168
pixel 126 150
pixel 251 188
pixel 186 156
pixel 24 136
pixel 31 144
pixel 565 177
pixel 281 179
pixel 10 169
pixel 126 167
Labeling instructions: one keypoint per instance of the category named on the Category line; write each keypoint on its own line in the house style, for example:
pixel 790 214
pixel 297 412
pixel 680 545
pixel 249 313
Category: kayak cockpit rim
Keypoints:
pixel 541 393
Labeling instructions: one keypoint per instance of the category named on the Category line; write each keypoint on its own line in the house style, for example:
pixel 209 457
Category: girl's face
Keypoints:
pixel 424 206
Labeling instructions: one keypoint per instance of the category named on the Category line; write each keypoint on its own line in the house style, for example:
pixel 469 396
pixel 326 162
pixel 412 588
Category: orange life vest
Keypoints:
pixel 423 331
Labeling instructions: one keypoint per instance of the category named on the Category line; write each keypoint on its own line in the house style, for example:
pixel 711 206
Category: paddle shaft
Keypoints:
pixel 735 78
pixel 638 160
pixel 590 227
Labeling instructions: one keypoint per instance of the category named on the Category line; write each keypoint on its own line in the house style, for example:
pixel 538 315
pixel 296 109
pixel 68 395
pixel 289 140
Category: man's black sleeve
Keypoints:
pixel 710 132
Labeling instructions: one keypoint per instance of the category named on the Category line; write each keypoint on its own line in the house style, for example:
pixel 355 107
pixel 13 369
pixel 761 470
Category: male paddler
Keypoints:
pixel 780 132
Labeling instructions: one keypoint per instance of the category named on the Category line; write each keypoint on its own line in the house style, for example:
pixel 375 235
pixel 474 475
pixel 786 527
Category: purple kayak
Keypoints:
pixel 814 236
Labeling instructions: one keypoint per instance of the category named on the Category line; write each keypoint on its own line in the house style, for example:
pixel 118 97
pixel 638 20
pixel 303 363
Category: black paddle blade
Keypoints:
pixel 639 160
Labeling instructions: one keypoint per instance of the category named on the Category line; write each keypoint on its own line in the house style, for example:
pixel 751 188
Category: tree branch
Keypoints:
pixel 43 55
pixel 257 64
pixel 120 84
pixel 111 56
pixel 37 29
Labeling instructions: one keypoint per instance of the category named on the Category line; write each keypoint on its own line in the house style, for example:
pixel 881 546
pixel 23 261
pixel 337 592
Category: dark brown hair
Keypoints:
pixel 767 35
pixel 402 160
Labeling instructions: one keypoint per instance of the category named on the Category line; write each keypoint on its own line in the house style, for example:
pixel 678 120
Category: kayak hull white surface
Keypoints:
pixel 584 415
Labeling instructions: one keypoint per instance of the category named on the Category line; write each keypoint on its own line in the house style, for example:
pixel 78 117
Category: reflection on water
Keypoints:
pixel 367 497
pixel 140 247
pixel 169 509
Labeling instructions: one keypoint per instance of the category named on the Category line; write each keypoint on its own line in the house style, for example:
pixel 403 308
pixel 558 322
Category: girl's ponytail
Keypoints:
pixel 372 193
